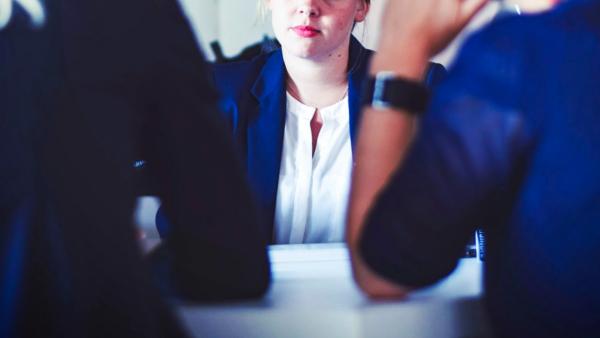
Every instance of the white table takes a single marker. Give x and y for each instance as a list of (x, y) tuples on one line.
[(313, 295)]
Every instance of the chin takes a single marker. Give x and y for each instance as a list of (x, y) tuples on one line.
[(303, 50), (305, 54)]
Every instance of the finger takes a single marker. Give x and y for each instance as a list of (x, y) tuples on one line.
[(469, 8)]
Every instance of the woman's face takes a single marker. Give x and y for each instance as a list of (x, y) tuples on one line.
[(315, 28)]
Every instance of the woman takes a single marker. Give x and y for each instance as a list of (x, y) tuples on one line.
[(294, 113)]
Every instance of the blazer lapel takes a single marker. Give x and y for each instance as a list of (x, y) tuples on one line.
[(357, 72), (265, 136)]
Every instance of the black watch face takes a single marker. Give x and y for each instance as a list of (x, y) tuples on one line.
[(392, 92)]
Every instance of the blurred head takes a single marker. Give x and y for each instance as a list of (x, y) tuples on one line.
[(315, 28)]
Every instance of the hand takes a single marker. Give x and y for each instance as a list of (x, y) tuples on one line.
[(424, 27)]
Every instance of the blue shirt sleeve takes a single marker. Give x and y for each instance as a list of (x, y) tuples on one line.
[(459, 173)]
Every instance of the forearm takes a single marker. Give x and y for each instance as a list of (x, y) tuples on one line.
[(384, 138), (412, 32)]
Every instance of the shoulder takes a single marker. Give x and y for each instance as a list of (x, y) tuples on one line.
[(240, 83), (518, 50), (359, 57), (232, 78), (237, 70), (541, 35), (579, 16)]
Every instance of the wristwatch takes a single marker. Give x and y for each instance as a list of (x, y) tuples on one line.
[(387, 90)]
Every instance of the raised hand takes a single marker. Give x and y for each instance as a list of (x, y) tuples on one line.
[(425, 25)]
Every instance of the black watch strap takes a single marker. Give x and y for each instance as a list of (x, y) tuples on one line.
[(389, 91)]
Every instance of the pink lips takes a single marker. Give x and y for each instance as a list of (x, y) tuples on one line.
[(306, 31)]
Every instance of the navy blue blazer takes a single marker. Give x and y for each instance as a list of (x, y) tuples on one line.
[(253, 101)]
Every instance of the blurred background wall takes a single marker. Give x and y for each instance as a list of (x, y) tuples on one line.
[(237, 23)]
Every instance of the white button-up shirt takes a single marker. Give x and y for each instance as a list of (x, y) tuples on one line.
[(313, 191)]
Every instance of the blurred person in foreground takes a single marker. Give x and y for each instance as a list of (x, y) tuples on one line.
[(510, 141), (78, 79)]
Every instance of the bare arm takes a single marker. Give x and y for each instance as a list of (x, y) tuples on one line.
[(408, 41)]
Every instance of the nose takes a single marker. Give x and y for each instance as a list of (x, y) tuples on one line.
[(308, 8)]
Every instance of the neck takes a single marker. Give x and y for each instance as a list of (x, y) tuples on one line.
[(318, 82)]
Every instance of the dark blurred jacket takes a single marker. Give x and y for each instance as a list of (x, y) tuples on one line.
[(100, 83), (511, 142)]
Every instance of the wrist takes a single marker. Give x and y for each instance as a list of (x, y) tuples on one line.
[(407, 62)]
